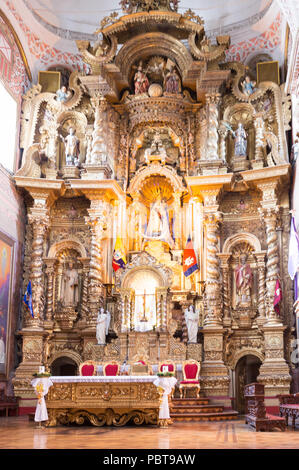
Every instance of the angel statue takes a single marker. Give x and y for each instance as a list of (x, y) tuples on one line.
[(191, 319), (248, 86), (62, 95), (103, 322)]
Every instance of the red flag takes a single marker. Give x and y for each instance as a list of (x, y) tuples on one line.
[(189, 259), (277, 297)]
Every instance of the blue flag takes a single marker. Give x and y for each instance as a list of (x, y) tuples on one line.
[(28, 299)]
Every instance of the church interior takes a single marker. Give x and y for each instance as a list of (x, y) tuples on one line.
[(148, 224)]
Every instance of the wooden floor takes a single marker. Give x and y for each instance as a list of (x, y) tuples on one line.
[(20, 433)]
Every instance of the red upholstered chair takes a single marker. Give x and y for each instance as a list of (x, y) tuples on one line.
[(111, 368), (171, 368), (169, 364), (87, 368), (191, 371)]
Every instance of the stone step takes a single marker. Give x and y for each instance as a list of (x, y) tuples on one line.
[(190, 401), (225, 415), (196, 409)]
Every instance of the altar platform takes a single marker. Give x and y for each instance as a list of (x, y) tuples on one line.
[(103, 400)]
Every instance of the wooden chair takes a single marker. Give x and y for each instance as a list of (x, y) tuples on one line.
[(191, 369), (140, 367), (169, 364), (88, 368), (171, 368), (111, 368)]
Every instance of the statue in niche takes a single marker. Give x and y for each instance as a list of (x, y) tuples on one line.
[(156, 148), (158, 224), (62, 95), (244, 280), (72, 145), (295, 152), (172, 82), (191, 319), (103, 322), (141, 81), (205, 45), (248, 86), (70, 286), (240, 141)]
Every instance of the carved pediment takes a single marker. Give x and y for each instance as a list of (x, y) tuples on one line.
[(144, 261)]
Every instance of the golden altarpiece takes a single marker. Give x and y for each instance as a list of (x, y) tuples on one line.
[(162, 140)]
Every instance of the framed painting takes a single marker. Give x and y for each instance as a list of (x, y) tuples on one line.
[(6, 276)]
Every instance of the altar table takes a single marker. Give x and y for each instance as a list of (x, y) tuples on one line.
[(103, 400)]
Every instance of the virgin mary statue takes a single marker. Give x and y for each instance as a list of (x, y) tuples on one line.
[(158, 223)]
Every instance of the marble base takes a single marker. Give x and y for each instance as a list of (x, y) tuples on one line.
[(210, 167), (96, 172), (240, 163), (70, 172)]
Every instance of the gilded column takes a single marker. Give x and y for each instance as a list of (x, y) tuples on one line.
[(262, 287), (259, 126), (50, 271), (40, 224), (213, 315), (223, 131), (99, 149), (84, 299), (213, 101), (97, 221), (177, 220), (226, 287)]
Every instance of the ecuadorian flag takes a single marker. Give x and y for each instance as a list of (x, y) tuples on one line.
[(119, 256), (189, 259)]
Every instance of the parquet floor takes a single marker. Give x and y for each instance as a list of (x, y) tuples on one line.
[(20, 433)]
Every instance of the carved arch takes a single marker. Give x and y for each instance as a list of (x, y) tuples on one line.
[(246, 352), (235, 239), (66, 353), (170, 174), (150, 44), (69, 244)]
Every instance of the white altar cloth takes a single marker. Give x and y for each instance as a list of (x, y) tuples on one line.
[(104, 378), (167, 383), (41, 386)]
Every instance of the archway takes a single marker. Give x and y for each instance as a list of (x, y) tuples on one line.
[(246, 372), (64, 366)]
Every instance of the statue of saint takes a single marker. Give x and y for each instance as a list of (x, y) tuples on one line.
[(158, 224), (70, 286), (103, 322), (141, 81), (172, 82), (156, 148), (191, 318), (244, 279), (72, 144), (240, 141), (248, 86), (62, 95)]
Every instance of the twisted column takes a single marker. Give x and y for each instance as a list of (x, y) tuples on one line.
[(97, 221), (99, 149), (40, 226), (50, 271), (270, 219), (262, 287), (213, 101), (84, 299), (213, 286), (226, 292), (223, 131), (177, 220), (259, 126)]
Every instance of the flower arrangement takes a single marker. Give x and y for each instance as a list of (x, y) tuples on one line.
[(38, 375), (165, 374)]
